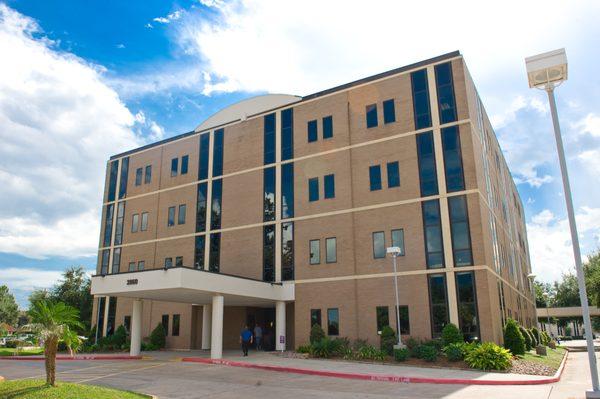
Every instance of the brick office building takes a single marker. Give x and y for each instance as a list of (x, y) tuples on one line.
[(278, 210)]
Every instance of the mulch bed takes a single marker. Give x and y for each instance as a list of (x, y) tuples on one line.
[(520, 366)]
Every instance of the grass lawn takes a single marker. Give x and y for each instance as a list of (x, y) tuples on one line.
[(22, 352), (37, 389), (555, 356)]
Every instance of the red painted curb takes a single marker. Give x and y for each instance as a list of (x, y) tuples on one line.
[(89, 357), (379, 377)]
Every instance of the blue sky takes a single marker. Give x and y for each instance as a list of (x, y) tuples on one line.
[(80, 81)]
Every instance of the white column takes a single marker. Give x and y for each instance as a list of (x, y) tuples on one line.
[(136, 328), (105, 321), (206, 326), (216, 342), (280, 325)]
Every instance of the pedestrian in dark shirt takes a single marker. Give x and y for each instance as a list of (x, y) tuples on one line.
[(245, 339)]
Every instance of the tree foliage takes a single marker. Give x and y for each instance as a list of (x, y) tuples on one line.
[(9, 310), (592, 278)]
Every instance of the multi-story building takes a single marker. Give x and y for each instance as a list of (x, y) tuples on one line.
[(278, 210)]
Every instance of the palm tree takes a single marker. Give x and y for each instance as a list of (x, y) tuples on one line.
[(71, 340), (50, 321)]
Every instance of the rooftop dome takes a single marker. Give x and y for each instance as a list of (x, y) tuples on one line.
[(245, 108)]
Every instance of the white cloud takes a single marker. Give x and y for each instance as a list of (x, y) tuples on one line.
[(28, 279), (589, 125), (174, 16), (59, 122), (120, 45)]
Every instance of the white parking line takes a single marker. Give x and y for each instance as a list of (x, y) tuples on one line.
[(123, 372)]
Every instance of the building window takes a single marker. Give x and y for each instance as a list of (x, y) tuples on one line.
[(148, 174), (127, 323), (459, 228), (171, 217), (333, 321), (389, 112), (179, 261), (375, 177), (174, 166), (203, 156), (427, 170), (315, 252), (116, 261), (269, 194), (112, 180), (269, 139), (393, 174), (144, 225), (287, 190), (434, 248), (201, 207), (371, 113), (218, 153), (168, 263), (438, 303), (165, 323), (184, 164), (331, 250), (383, 318), (135, 219), (445, 92), (467, 305), (141, 265), (312, 131), (398, 240), (138, 176), (108, 223), (420, 94), (452, 159), (120, 222), (404, 320), (181, 214), (328, 127), (313, 189), (287, 251), (199, 252), (287, 134), (269, 253), (105, 259), (176, 321), (215, 252), (315, 317), (123, 181), (329, 183), (100, 316), (379, 245), (216, 210), (131, 266)]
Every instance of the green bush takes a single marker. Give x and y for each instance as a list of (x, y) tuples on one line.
[(149, 347), (451, 335), (534, 341), (12, 343), (316, 333), (359, 343), (340, 346), (426, 351), (158, 337), (545, 338), (412, 343), (401, 355), (323, 348), (303, 349), (92, 334), (527, 338), (489, 356), (369, 352), (455, 352), (513, 339), (537, 336), (387, 340), (119, 338)]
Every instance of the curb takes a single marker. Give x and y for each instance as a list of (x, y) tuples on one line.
[(88, 357), (380, 377)]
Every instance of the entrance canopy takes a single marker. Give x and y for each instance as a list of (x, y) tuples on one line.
[(187, 285)]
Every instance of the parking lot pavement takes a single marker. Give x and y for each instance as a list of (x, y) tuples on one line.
[(172, 379)]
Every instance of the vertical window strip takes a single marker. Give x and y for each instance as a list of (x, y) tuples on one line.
[(123, 179), (269, 252), (203, 156), (287, 134), (174, 167), (184, 164), (201, 207), (460, 231), (329, 183), (420, 97), (269, 194), (427, 168), (287, 251), (434, 246), (218, 153), (120, 223), (216, 208), (445, 92), (215, 252), (452, 159), (269, 139), (199, 248), (138, 176), (467, 305), (112, 180), (287, 190), (438, 303), (108, 224), (104, 261)]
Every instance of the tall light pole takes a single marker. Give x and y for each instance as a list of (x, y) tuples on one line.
[(531, 278), (395, 252), (547, 71)]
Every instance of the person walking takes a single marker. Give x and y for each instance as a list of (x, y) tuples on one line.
[(245, 339), (258, 336)]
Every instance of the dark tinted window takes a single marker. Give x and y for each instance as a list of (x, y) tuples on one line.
[(438, 303), (120, 222), (328, 127), (168, 263), (179, 261), (427, 170), (329, 183), (108, 224), (383, 317), (313, 189), (404, 320), (371, 111), (174, 166), (420, 93), (459, 228), (393, 174), (165, 323), (138, 176), (112, 180), (181, 214), (287, 134), (201, 207), (184, 164), (203, 156), (333, 322), (445, 92), (269, 139), (287, 190), (269, 194), (148, 175), (312, 131), (215, 209), (215, 252), (199, 252), (123, 181), (315, 317), (452, 159), (175, 331), (287, 251), (218, 153), (171, 216), (269, 253), (389, 112), (467, 305), (104, 261), (375, 177), (379, 245), (434, 248)]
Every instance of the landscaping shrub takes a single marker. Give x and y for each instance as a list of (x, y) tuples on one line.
[(387, 340), (455, 351), (340, 346), (369, 352), (92, 334), (412, 343), (158, 337), (323, 348), (147, 346), (11, 343), (401, 355), (451, 335), (513, 339), (489, 356), (537, 336), (545, 338), (527, 338), (426, 351), (359, 343), (303, 349), (316, 333), (119, 338)]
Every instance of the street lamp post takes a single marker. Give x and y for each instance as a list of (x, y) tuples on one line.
[(531, 278), (395, 252), (547, 71)]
